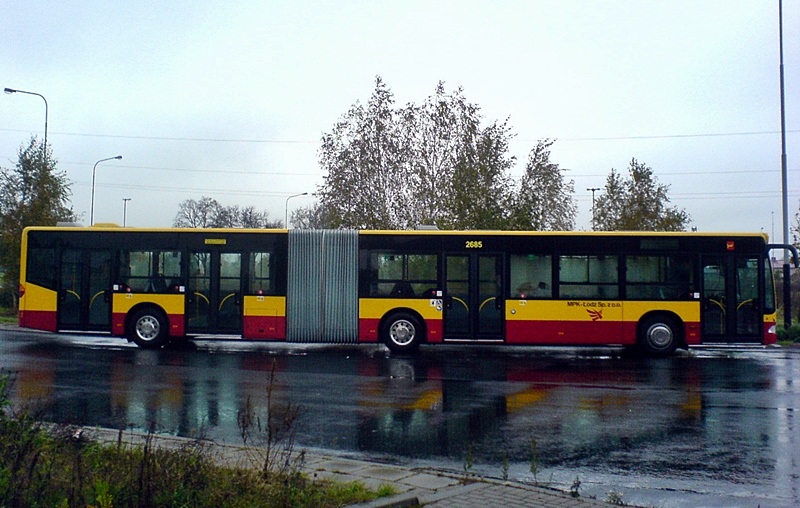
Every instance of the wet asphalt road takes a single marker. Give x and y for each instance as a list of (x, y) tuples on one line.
[(707, 428)]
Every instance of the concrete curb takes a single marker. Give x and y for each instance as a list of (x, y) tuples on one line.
[(398, 501)]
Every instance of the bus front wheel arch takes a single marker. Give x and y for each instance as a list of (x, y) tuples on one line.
[(659, 334), (147, 327), (402, 332)]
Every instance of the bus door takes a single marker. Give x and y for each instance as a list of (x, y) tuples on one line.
[(731, 308), (83, 290), (473, 307), (214, 292)]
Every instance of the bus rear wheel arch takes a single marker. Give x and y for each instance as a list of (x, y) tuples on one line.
[(659, 334), (402, 331), (147, 327)]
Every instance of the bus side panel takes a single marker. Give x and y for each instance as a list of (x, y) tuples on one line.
[(688, 312), (37, 308), (173, 305), (590, 322), (264, 317), (564, 322), (372, 310)]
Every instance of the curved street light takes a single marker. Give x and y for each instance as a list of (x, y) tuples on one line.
[(286, 214), (94, 172), (12, 90)]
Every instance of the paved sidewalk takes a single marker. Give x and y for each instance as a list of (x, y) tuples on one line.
[(429, 488), (415, 486)]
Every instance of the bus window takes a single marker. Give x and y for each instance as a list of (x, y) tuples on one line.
[(421, 272), (748, 317), (42, 267), (151, 271), (588, 277), (658, 277), (402, 275), (261, 281), (531, 276)]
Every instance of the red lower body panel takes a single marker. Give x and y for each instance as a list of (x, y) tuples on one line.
[(568, 332), (264, 327), (38, 320), (368, 330), (769, 338)]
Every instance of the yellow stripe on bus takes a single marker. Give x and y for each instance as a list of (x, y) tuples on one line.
[(172, 304), (37, 298), (260, 306), (376, 308)]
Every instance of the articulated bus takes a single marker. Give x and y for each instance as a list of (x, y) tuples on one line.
[(655, 291)]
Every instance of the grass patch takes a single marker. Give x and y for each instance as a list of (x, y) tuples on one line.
[(56, 466), (789, 335), (8, 316)]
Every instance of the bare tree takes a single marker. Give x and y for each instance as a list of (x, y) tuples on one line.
[(209, 213), (315, 216), (196, 213)]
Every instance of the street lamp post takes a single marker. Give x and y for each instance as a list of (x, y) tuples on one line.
[(125, 211), (787, 292), (94, 173), (286, 215), (593, 190), (12, 90)]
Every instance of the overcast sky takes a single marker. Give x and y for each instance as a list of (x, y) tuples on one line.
[(230, 99)]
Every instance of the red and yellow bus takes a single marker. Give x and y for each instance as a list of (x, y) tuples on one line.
[(657, 291)]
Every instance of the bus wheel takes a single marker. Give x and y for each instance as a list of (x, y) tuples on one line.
[(402, 333), (148, 328), (658, 336)]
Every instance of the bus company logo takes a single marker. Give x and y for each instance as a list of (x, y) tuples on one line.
[(595, 314)]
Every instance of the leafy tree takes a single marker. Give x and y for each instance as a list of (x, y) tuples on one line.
[(638, 203), (396, 168), (33, 193), (544, 200), (457, 166), (480, 185), (796, 230), (364, 156), (209, 213)]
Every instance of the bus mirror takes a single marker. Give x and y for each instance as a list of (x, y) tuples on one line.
[(792, 251)]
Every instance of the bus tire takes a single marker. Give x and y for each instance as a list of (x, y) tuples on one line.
[(402, 332), (148, 328), (659, 335)]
